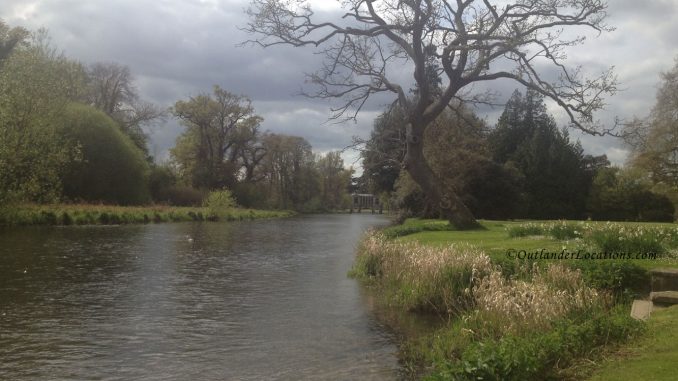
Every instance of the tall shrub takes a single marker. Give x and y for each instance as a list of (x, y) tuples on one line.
[(113, 169)]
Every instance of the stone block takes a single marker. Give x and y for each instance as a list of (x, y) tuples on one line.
[(664, 279), (664, 297)]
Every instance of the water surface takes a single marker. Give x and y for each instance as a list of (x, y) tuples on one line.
[(257, 300)]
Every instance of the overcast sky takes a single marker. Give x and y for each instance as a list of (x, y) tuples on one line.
[(179, 48)]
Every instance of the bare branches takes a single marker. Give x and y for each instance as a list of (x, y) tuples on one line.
[(354, 70), (462, 41)]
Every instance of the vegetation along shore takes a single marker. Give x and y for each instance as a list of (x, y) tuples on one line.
[(510, 319), (85, 214)]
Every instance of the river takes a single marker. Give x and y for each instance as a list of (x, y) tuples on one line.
[(259, 300)]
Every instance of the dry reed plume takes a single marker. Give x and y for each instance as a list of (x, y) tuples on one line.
[(458, 278), (519, 304)]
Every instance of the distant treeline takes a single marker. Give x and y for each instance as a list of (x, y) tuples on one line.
[(524, 167), (75, 133)]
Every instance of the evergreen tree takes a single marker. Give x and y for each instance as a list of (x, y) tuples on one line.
[(554, 168)]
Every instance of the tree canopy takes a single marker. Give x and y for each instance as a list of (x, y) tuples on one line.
[(654, 142), (36, 84), (555, 175), (448, 46), (219, 129), (113, 170)]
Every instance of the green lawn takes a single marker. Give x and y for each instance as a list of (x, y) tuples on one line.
[(495, 241), (652, 358)]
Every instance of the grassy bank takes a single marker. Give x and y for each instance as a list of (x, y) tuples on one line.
[(510, 318), (651, 358), (83, 214)]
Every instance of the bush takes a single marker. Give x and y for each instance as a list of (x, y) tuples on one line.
[(250, 195), (525, 230), (218, 203), (629, 239), (419, 277), (622, 278), (609, 237), (539, 355), (113, 169), (563, 230)]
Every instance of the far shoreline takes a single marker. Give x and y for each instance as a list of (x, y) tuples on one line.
[(100, 214)]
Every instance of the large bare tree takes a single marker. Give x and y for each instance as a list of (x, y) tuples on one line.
[(112, 90), (449, 45)]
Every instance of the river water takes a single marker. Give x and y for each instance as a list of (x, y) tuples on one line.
[(260, 300)]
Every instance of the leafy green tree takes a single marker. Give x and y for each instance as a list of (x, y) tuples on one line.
[(334, 181), (36, 84), (218, 127), (113, 169), (654, 140), (626, 195), (288, 171)]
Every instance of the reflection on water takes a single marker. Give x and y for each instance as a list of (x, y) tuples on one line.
[(246, 301)]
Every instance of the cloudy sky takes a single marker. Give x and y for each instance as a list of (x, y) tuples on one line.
[(179, 48)]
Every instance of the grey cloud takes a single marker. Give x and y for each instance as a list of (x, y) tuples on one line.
[(647, 10), (177, 49), (312, 123)]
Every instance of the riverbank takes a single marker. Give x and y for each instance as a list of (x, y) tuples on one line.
[(85, 214), (507, 315)]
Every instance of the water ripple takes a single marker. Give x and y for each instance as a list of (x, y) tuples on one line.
[(264, 300)]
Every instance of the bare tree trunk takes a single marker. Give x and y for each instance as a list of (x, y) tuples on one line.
[(441, 195)]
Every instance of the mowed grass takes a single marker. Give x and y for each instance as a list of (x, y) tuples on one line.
[(494, 240), (653, 357)]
